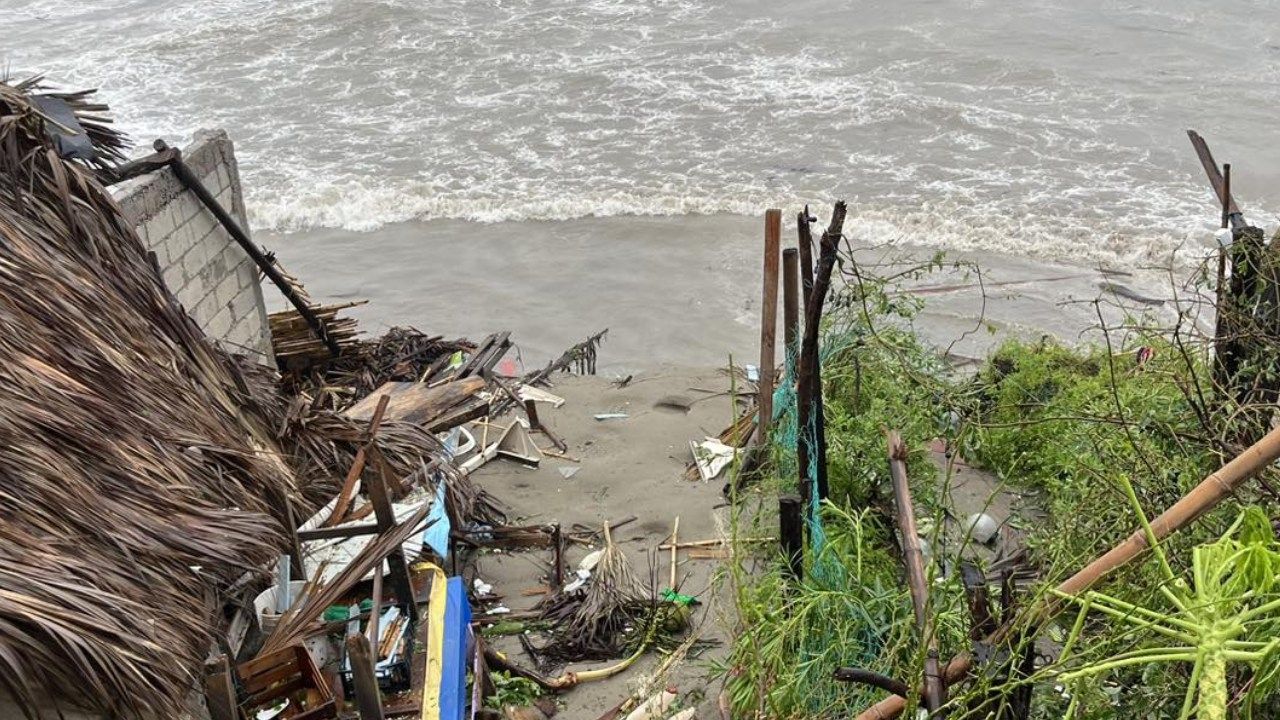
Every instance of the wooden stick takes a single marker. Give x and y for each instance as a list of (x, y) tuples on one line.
[(913, 558), (675, 551), (1201, 499), (558, 454), (713, 542), (869, 677), (768, 322), (805, 248), (398, 567), (1215, 179), (357, 466)]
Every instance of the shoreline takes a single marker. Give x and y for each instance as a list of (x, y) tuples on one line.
[(673, 290)]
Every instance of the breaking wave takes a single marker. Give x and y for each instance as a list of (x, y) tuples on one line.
[(1031, 133)]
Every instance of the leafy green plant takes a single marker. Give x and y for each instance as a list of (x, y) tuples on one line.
[(1227, 614), (512, 690)]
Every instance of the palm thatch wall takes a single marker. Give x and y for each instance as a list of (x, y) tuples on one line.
[(137, 473)]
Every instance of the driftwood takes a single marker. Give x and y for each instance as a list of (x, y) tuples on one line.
[(1215, 488), (913, 558)]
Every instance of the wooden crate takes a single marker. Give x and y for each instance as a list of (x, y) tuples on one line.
[(285, 673)]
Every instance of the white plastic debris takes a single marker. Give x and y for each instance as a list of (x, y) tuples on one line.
[(529, 392), (711, 457), (568, 471), (481, 587), (1225, 237), (753, 373), (611, 416), (654, 707), (580, 579), (982, 528), (500, 610)]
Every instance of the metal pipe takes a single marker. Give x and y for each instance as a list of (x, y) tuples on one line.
[(192, 183)]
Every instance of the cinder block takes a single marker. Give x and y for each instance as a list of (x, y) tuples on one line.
[(161, 225), (219, 326), (244, 306), (227, 289), (210, 307), (174, 279)]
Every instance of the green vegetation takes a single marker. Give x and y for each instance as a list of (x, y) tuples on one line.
[(1096, 433), (511, 690)]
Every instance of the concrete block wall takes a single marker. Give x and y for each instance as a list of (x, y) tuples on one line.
[(213, 278)]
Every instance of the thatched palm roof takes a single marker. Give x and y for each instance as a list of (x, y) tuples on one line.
[(136, 476)]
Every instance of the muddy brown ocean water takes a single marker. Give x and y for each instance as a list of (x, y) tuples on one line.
[(681, 290)]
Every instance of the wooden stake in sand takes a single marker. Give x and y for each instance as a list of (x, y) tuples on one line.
[(768, 321)]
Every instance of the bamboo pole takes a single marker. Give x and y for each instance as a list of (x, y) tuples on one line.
[(913, 558), (768, 322), (675, 552), (1203, 497)]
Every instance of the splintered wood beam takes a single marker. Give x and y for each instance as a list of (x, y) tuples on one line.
[(380, 498)]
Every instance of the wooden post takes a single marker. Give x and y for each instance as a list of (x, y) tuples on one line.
[(805, 246), (1220, 309), (791, 533), (790, 302), (768, 321), (219, 691), (535, 423), (375, 617), (913, 558), (557, 538), (368, 697)]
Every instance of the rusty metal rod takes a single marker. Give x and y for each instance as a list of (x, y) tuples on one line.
[(193, 183)]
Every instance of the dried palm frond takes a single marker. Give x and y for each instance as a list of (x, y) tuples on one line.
[(136, 478), (592, 624)]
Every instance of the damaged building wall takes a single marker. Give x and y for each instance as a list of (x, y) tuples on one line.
[(213, 278)]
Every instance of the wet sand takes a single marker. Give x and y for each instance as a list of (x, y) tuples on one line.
[(672, 290), (628, 466)]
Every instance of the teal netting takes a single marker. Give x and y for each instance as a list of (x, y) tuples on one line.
[(785, 435)]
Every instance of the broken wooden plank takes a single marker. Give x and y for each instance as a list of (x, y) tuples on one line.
[(415, 402)]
